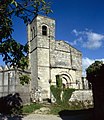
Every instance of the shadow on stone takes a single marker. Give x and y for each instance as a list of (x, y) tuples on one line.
[(76, 114), (11, 105)]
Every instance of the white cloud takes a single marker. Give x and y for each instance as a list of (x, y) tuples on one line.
[(75, 32), (88, 39), (86, 62), (74, 42)]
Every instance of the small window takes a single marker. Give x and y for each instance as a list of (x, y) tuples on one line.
[(44, 30), (31, 34), (34, 30)]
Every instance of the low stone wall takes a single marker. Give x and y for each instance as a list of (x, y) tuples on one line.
[(10, 84), (82, 95)]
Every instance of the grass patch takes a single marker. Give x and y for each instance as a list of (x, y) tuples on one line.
[(72, 106), (55, 108), (27, 109)]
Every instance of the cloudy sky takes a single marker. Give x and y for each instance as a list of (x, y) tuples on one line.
[(78, 22), (81, 23)]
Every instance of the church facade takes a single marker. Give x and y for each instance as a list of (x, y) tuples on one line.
[(49, 57)]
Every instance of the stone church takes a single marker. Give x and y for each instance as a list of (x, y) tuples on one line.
[(49, 57)]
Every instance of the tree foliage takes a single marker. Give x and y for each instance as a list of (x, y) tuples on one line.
[(56, 91), (61, 94), (94, 70), (67, 92), (95, 75), (24, 79), (58, 81), (13, 53)]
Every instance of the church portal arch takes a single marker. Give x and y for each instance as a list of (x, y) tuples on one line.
[(67, 79)]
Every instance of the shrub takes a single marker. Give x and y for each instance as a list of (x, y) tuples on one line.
[(58, 81), (67, 92), (62, 95), (66, 95), (11, 104), (56, 91)]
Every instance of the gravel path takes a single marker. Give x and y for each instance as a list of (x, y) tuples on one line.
[(41, 117), (46, 117), (70, 115), (54, 117)]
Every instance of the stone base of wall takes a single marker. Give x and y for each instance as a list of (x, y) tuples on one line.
[(82, 95), (25, 97)]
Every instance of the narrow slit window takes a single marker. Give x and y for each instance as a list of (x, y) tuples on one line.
[(34, 31), (31, 34), (44, 30)]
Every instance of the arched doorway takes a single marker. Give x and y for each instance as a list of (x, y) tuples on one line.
[(66, 79)]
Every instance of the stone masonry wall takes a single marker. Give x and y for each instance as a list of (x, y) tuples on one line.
[(65, 58), (82, 95), (10, 84), (64, 55)]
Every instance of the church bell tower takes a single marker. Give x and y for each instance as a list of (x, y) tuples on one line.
[(41, 33)]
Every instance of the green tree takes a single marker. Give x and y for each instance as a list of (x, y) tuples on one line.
[(95, 75), (93, 70), (13, 53)]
